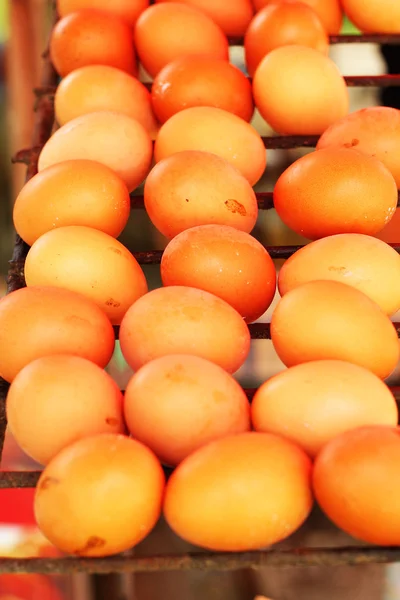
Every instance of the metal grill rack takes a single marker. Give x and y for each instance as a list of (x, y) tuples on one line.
[(128, 563)]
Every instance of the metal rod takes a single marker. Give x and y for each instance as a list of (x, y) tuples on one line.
[(365, 38)]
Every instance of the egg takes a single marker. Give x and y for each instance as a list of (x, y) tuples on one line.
[(112, 139), (128, 10), (192, 188), (356, 479), (102, 88), (243, 492), (184, 320), (56, 400), (335, 191), (74, 192), (361, 261), (91, 37), (175, 404), (283, 24), (41, 321), (90, 262), (232, 17), (374, 131), (374, 16), (299, 91), (330, 12), (167, 31), (232, 265), (330, 320), (87, 481), (201, 81), (314, 402), (214, 130)]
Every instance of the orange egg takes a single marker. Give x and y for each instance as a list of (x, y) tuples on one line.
[(335, 191), (184, 320), (178, 403), (283, 24), (109, 486), (232, 265), (329, 12), (299, 91), (356, 482), (330, 320), (100, 87), (240, 493), (56, 400), (115, 140), (312, 403), (201, 81), (197, 188), (39, 321), (129, 10), (217, 131), (374, 16), (90, 37), (90, 262), (167, 31), (361, 261), (374, 131), (233, 17), (74, 192)]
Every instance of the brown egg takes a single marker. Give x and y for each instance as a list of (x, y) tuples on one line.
[(57, 400), (330, 320), (201, 81), (232, 265), (197, 188), (91, 37), (115, 140), (74, 192), (361, 261), (40, 321), (240, 493), (374, 16), (184, 320), (329, 12), (100, 87), (128, 10), (165, 32), (90, 262), (175, 404), (210, 129), (111, 489), (299, 91), (312, 403), (374, 131), (282, 24), (335, 191)]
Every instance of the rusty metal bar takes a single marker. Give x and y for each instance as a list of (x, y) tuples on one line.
[(365, 38)]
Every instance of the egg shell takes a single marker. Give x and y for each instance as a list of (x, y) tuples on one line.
[(214, 130), (232, 265), (360, 261), (128, 10), (335, 191), (330, 320), (198, 188), (164, 32), (79, 490), (201, 81), (330, 12), (57, 400), (374, 16), (299, 91), (74, 192), (40, 321), (113, 139), (175, 404), (240, 493), (314, 402), (91, 37), (90, 262), (356, 482), (184, 320)]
